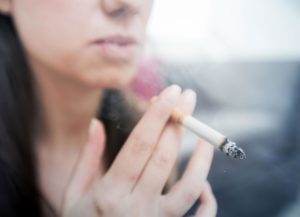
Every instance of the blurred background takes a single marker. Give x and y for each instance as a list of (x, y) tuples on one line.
[(242, 57)]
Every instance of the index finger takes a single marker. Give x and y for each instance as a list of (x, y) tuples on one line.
[(139, 146)]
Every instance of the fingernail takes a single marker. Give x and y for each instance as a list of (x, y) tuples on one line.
[(172, 92), (93, 126), (189, 96)]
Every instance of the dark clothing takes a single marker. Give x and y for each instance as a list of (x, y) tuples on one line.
[(7, 202)]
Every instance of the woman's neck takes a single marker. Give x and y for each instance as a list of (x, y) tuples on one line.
[(66, 110)]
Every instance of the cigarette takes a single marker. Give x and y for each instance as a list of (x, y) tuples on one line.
[(218, 140)]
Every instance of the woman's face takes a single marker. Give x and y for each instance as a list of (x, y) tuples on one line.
[(91, 42)]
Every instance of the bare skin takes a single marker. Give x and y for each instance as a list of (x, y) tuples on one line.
[(151, 150), (71, 72)]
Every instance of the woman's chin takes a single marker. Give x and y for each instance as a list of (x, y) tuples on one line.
[(112, 78)]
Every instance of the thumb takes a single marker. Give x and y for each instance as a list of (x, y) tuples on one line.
[(88, 164)]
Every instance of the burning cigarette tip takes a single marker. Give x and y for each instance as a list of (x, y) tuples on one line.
[(232, 150)]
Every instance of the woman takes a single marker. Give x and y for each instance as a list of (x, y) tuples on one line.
[(63, 63)]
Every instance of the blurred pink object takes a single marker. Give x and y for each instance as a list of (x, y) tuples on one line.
[(149, 79)]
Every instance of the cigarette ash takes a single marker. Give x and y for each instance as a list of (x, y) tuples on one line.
[(232, 150)]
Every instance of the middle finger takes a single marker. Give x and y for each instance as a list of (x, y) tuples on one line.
[(163, 158), (131, 160)]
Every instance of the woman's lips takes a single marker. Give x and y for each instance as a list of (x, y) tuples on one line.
[(118, 48)]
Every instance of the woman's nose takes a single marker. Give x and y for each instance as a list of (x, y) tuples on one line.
[(122, 8)]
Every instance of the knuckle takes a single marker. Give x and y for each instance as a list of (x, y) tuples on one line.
[(190, 197), (140, 145), (106, 203), (170, 212), (168, 208), (162, 159), (133, 178)]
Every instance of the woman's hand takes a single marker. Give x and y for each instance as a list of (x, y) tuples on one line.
[(133, 184)]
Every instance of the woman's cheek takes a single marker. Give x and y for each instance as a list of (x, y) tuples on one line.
[(57, 37)]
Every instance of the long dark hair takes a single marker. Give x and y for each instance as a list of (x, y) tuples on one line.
[(19, 109)]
